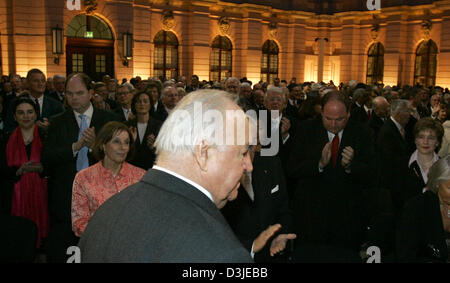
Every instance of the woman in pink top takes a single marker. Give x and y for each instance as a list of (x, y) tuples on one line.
[(94, 185)]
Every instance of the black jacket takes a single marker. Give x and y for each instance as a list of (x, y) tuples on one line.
[(420, 233), (249, 218)]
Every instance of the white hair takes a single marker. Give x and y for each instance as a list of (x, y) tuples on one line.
[(191, 121), (127, 85), (398, 105), (273, 89), (244, 84), (55, 77), (164, 91), (438, 174)]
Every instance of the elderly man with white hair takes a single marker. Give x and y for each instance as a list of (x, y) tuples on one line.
[(172, 214), (169, 99), (233, 85)]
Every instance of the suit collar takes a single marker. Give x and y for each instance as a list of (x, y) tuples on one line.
[(174, 185)]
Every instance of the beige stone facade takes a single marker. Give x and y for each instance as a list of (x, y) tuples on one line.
[(26, 36)]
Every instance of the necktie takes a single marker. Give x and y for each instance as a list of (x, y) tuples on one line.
[(82, 158), (38, 106), (334, 149), (369, 114), (402, 132), (127, 112)]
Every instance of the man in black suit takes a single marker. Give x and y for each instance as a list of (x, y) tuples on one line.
[(59, 82), (16, 89), (48, 107), (124, 96), (261, 204), (172, 214), (278, 129), (67, 151), (296, 98), (333, 159), (394, 153), (363, 113), (381, 111), (169, 99)]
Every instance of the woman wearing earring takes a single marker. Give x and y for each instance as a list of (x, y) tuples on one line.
[(112, 174), (428, 135)]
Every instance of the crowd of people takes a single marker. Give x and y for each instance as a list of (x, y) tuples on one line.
[(355, 166)]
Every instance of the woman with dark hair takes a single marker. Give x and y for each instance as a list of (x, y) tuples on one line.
[(145, 129), (310, 108), (23, 156), (94, 185)]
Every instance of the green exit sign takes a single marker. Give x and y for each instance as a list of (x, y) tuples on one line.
[(89, 34)]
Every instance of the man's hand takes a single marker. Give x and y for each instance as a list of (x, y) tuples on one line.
[(265, 235), (133, 131), (279, 243), (285, 126), (89, 137), (43, 124), (326, 156), (347, 156), (150, 140)]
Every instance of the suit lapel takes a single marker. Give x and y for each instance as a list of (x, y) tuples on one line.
[(72, 125)]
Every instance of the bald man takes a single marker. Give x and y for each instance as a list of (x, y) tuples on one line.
[(381, 110)]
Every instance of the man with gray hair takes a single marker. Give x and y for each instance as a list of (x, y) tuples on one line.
[(394, 152), (169, 99), (381, 112), (172, 214), (233, 85), (124, 95), (59, 83)]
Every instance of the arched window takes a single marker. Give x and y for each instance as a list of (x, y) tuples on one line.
[(425, 69), (84, 26), (269, 61), (221, 58), (166, 55), (375, 64)]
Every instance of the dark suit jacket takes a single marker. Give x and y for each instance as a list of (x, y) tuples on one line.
[(249, 218), (55, 96), (50, 107), (423, 111), (160, 114), (58, 158), (143, 156), (393, 157), (119, 112), (327, 205), (375, 123), (420, 233), (359, 114), (160, 219)]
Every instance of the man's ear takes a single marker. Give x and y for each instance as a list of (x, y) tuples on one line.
[(201, 154)]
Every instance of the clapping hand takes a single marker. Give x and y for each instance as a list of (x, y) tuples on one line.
[(279, 243)]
